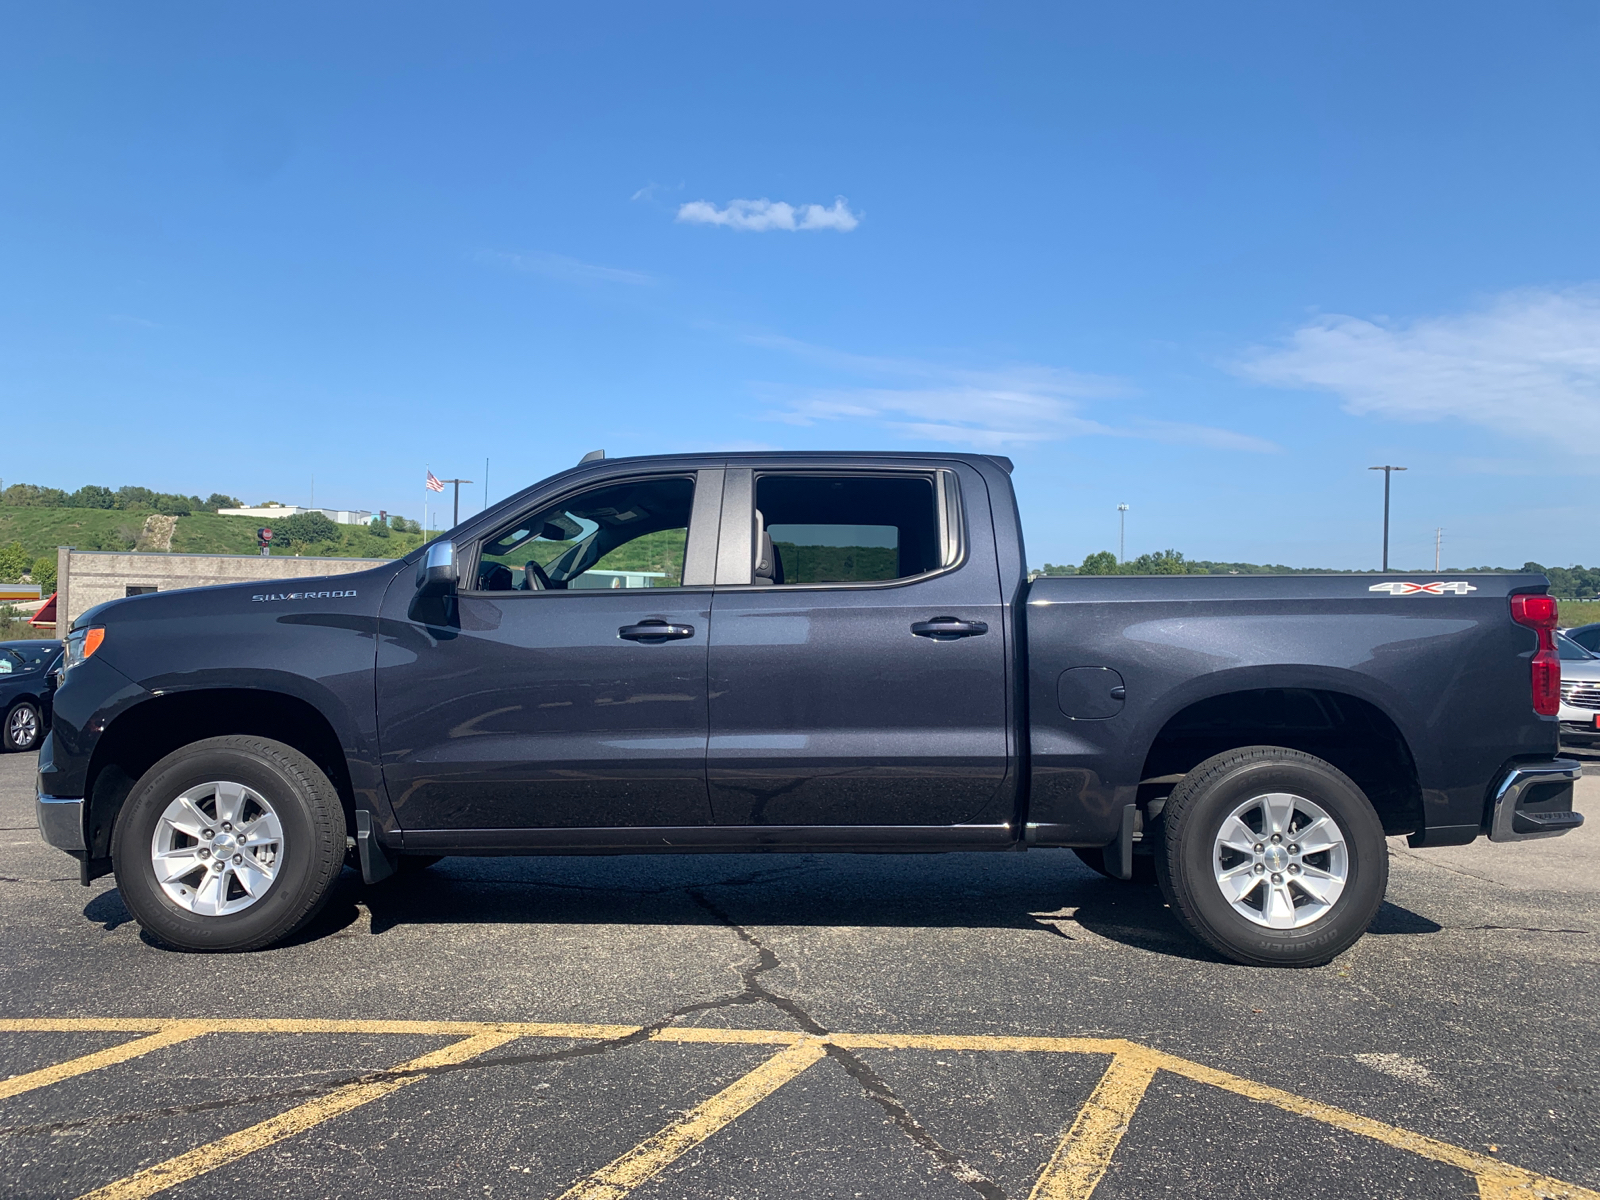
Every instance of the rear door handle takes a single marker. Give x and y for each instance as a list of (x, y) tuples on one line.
[(655, 631), (948, 627)]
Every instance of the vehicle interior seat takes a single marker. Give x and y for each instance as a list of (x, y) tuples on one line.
[(769, 567)]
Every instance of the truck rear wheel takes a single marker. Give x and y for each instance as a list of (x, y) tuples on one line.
[(1272, 857), (231, 843)]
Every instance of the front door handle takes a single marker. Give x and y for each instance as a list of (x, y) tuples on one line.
[(655, 631), (948, 627)]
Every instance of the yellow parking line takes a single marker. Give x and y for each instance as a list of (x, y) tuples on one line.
[(1083, 1156), (180, 1031), (1496, 1180), (235, 1146), (923, 1041), (655, 1153)]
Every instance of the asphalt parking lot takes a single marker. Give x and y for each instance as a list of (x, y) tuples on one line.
[(854, 1026)]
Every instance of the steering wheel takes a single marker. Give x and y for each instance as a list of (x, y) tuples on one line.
[(535, 578)]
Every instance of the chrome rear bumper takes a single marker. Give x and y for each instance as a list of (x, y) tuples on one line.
[(1534, 800)]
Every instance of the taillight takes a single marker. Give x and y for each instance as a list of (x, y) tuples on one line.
[(1538, 613)]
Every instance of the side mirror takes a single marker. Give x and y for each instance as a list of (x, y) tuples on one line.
[(436, 573)]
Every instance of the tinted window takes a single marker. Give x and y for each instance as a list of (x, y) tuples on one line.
[(627, 535), (850, 529), (25, 657), (1569, 649)]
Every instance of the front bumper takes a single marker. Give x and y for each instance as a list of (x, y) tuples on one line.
[(61, 822), (1534, 800)]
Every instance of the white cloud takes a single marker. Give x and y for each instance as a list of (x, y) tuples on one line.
[(559, 266), (1526, 363), (758, 216), (988, 409)]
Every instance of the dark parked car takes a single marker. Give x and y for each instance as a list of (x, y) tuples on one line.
[(27, 687), (1587, 636), (802, 653)]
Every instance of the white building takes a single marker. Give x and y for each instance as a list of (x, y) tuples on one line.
[(340, 516)]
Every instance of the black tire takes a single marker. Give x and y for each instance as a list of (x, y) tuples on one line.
[(313, 843), (27, 738), (1193, 817), (1144, 866)]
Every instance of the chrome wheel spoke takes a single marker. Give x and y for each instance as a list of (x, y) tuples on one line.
[(230, 802), (253, 877), (1238, 882), (1322, 834), (1237, 836), (1278, 906), (1277, 811), (176, 864), (1319, 885)]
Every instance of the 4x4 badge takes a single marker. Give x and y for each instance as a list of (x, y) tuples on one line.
[(1456, 587)]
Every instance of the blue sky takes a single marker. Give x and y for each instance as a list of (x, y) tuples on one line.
[(1212, 261)]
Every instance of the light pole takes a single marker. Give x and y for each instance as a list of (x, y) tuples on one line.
[(1387, 471), (1122, 534), (455, 518)]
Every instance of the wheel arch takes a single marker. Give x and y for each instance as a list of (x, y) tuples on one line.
[(1349, 731), (144, 734)]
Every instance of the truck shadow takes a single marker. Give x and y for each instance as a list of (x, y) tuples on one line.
[(1043, 893)]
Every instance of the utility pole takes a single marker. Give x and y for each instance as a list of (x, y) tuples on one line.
[(1438, 541), (1122, 534), (456, 519), (1386, 473)]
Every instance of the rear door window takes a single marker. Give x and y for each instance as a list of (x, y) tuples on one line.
[(847, 529)]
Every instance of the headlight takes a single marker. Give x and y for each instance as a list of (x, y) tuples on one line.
[(81, 645)]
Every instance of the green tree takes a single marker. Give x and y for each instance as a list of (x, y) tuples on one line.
[(44, 573), (1058, 569), (217, 500), (1102, 562), (13, 562), (31, 495), (1162, 562), (92, 495), (378, 528)]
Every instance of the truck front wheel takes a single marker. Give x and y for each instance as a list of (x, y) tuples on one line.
[(1272, 857), (231, 843)]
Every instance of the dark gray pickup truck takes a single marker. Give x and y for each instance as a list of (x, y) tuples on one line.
[(804, 653)]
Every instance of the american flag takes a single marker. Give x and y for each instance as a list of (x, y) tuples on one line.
[(433, 483)]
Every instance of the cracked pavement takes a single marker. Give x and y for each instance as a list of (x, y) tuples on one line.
[(1468, 1014)]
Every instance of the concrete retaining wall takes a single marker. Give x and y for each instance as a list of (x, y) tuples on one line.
[(89, 577)]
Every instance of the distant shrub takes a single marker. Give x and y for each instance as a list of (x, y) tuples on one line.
[(303, 529), (378, 528)]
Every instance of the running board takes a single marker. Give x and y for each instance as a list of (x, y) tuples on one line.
[(712, 839)]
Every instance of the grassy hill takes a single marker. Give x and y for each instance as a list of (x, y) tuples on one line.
[(41, 530)]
